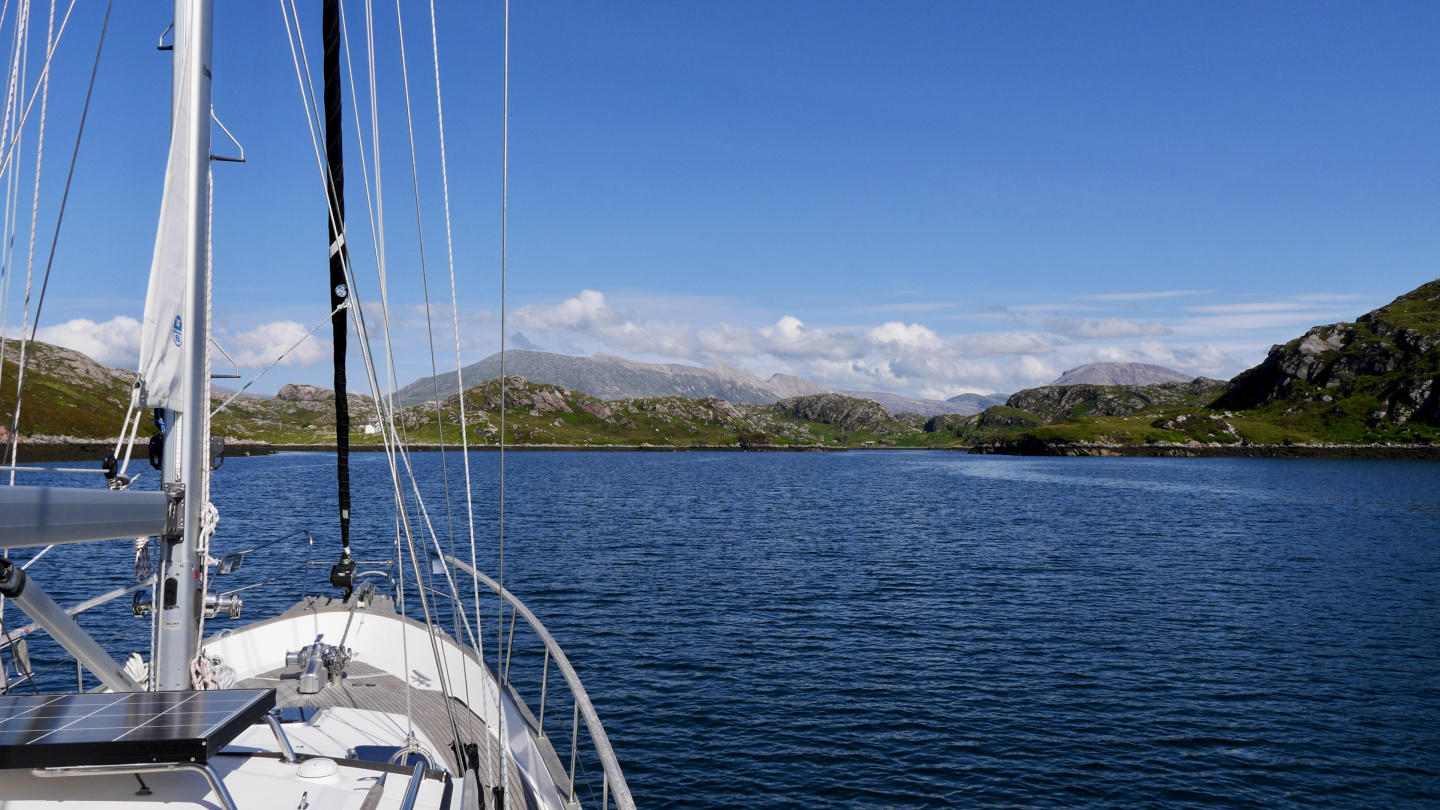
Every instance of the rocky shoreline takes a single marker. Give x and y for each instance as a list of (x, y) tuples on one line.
[(1213, 450), (73, 449)]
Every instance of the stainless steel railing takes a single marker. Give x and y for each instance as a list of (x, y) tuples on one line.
[(614, 780)]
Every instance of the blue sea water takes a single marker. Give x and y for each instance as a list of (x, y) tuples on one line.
[(927, 629)]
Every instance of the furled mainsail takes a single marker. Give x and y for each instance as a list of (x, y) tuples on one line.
[(162, 355)]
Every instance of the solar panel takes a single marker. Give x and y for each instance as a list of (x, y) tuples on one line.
[(43, 731)]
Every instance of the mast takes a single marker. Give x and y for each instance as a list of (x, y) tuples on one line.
[(187, 461), (343, 574)]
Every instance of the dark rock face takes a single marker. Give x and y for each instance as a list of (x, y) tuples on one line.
[(1392, 354), (1005, 416), (914, 420), (959, 424), (1056, 403), (845, 413)]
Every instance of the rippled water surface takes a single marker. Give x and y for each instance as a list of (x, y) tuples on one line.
[(925, 629)]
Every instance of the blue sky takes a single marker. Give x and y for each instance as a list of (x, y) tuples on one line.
[(928, 198)]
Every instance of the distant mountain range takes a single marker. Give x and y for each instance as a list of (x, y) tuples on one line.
[(1121, 374), (609, 377)]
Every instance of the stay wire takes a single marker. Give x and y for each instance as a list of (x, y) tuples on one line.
[(15, 78), (425, 282), (59, 220), (504, 247), (479, 633)]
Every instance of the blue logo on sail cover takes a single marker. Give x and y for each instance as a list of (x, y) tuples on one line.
[(176, 330)]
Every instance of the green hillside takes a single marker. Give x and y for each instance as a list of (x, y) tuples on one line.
[(1374, 381)]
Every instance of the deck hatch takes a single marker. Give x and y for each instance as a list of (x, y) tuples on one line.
[(47, 731)]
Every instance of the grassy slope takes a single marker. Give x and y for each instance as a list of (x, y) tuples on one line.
[(65, 394)]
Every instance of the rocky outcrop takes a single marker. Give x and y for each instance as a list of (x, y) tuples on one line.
[(1389, 358), (1003, 416), (710, 410), (314, 397), (1056, 403), (299, 392), (842, 412), (957, 423)]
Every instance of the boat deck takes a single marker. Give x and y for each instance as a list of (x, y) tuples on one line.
[(368, 688)]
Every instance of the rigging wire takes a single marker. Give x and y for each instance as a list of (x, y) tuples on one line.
[(455, 317), (394, 440), (504, 235), (343, 305), (59, 220), (459, 615), (478, 635), (425, 278), (14, 79), (394, 437), (45, 71), (35, 211)]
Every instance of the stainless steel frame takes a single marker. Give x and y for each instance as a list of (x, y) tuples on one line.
[(614, 780)]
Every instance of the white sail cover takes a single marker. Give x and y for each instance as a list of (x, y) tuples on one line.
[(163, 335)]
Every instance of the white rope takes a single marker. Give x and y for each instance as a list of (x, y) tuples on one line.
[(504, 246), (15, 77), (52, 42), (343, 305), (30, 261), (478, 635), (429, 325), (45, 73)]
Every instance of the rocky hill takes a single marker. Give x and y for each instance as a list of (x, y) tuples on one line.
[(609, 377), (539, 413), (1383, 370), (1057, 403), (975, 403), (847, 414), (1373, 383), (1121, 374), (66, 393)]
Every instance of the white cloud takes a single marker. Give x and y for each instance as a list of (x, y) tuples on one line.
[(586, 310), (901, 356), (115, 342), (258, 347), (1105, 328)]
